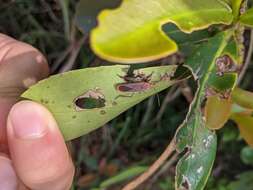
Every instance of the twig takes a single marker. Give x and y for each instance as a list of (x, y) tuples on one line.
[(153, 168), (167, 165), (248, 59)]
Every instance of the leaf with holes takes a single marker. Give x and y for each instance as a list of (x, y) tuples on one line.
[(84, 100), (194, 168), (132, 33)]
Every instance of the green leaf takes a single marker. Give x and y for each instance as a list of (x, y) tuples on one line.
[(132, 33), (95, 89), (194, 168), (232, 50), (125, 175), (223, 83), (247, 18)]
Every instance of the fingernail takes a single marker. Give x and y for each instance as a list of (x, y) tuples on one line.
[(28, 120), (8, 179)]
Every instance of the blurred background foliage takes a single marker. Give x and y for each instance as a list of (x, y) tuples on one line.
[(122, 149)]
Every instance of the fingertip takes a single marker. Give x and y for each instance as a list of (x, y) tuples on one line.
[(37, 147)]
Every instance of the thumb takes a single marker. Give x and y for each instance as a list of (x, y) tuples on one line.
[(38, 151)]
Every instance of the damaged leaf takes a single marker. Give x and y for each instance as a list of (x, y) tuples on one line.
[(84, 100), (193, 136)]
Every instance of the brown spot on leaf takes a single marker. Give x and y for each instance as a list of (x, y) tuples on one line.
[(102, 112), (225, 64)]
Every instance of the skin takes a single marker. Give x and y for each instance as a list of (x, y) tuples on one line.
[(33, 154)]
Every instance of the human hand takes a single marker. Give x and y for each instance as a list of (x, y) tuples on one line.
[(33, 154)]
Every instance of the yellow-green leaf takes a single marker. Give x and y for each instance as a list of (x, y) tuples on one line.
[(132, 33), (217, 112)]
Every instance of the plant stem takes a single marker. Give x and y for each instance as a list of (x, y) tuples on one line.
[(153, 168), (248, 59)]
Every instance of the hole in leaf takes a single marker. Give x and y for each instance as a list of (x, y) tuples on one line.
[(89, 103), (90, 100), (185, 184)]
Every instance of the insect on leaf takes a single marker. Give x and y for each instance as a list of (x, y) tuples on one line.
[(84, 100)]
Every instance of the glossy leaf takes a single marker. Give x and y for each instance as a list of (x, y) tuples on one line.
[(132, 33), (247, 18), (194, 168), (97, 87), (245, 124)]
